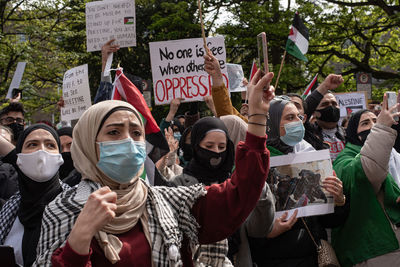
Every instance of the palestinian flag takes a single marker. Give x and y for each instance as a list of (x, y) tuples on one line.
[(253, 70), (129, 20), (311, 87), (125, 90), (297, 43)]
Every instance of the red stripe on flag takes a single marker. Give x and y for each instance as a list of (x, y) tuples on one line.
[(136, 99), (253, 70), (310, 86)]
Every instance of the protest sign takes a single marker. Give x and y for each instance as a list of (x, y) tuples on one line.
[(106, 20), (178, 68), (17, 78), (76, 93), (351, 102), (295, 180), (235, 76)]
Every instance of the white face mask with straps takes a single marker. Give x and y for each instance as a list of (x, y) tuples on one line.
[(40, 166)]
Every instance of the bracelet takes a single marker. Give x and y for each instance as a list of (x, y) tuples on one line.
[(340, 204), (258, 114), (255, 123)]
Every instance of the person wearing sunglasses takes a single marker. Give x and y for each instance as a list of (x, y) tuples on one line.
[(12, 116)]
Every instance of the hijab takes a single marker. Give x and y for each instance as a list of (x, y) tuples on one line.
[(195, 167), (237, 128), (131, 198), (352, 126), (34, 198), (277, 105), (68, 165)]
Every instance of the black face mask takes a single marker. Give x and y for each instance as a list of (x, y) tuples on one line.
[(67, 166), (363, 135), (210, 159), (17, 129), (329, 114), (187, 152)]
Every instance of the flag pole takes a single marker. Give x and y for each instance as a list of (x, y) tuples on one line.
[(280, 69), (203, 34)]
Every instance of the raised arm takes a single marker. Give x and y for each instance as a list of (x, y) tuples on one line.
[(375, 153), (331, 82), (227, 205), (222, 101)]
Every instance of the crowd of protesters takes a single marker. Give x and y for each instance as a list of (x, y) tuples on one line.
[(99, 195)]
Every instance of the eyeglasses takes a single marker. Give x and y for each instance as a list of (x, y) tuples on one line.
[(9, 120)]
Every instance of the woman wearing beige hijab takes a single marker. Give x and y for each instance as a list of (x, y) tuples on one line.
[(112, 218)]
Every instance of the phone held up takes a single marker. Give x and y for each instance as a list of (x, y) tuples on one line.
[(262, 48), (392, 100)]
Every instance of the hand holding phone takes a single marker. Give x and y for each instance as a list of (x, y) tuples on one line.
[(262, 48)]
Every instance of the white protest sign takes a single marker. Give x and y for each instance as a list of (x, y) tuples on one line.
[(17, 78), (76, 93), (178, 68), (351, 102), (235, 76), (106, 20)]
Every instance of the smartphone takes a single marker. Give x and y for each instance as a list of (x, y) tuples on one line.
[(262, 49), (392, 100), (7, 256)]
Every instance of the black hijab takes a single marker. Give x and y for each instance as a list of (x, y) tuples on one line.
[(195, 167), (277, 105), (34, 198), (68, 165), (352, 126)]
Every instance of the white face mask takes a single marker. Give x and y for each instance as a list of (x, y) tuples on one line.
[(40, 166)]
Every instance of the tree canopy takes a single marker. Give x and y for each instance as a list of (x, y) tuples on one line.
[(346, 37)]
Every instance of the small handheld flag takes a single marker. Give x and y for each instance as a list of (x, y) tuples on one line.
[(310, 87)]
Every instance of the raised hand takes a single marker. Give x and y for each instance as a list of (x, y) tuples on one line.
[(97, 212), (172, 142), (331, 82), (173, 108), (386, 117), (106, 50), (212, 67)]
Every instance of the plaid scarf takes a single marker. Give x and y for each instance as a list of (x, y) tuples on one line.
[(169, 212), (9, 212), (212, 255)]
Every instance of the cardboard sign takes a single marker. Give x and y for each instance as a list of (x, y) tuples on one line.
[(17, 78), (106, 20), (178, 69), (76, 93), (351, 102), (236, 76)]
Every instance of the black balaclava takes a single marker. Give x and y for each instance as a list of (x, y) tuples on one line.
[(277, 105), (207, 166), (17, 129), (68, 164), (351, 130), (34, 198)]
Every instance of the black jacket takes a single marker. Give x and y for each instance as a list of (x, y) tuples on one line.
[(8, 182)]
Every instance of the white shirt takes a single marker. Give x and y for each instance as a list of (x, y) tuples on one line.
[(14, 239)]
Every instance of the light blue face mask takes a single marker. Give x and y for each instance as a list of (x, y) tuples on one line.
[(294, 133), (121, 160), (177, 135)]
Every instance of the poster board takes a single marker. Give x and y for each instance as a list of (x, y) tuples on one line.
[(106, 20), (295, 180), (17, 78), (76, 93), (351, 102), (235, 76), (178, 69)]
